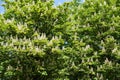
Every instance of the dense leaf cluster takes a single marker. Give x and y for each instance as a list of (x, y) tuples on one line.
[(72, 41)]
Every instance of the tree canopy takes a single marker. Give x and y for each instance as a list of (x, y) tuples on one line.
[(72, 41)]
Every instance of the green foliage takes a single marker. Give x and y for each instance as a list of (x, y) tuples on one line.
[(72, 41)]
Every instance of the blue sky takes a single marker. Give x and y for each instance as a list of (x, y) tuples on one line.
[(1, 8), (57, 2)]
